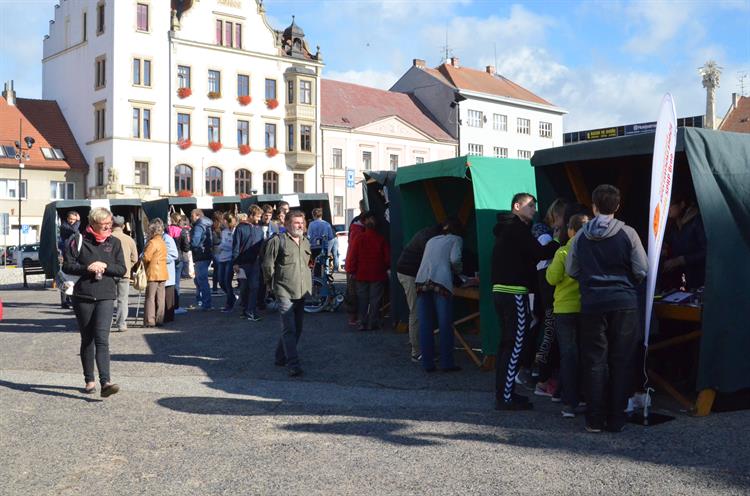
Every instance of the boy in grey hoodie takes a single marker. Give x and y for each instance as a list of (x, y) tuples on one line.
[(608, 260)]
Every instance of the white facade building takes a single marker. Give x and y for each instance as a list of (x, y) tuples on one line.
[(153, 96), (496, 117), (367, 129)]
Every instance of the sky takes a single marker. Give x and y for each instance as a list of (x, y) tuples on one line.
[(607, 63)]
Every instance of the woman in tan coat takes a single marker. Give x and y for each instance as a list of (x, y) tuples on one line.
[(155, 261)]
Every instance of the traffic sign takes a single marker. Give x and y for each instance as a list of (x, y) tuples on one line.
[(349, 178), (24, 229)]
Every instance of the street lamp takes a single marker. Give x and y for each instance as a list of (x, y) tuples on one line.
[(21, 155)]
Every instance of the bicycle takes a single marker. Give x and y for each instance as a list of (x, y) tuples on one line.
[(324, 294)]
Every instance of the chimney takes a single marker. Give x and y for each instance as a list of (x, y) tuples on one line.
[(490, 70), (418, 63), (454, 62), (734, 100), (9, 93)]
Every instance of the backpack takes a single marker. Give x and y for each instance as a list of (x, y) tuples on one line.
[(184, 240), (66, 282)]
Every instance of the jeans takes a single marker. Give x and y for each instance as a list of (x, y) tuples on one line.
[(513, 313), (123, 290), (94, 319), (249, 288), (369, 295), (226, 276), (291, 313), (178, 266), (429, 304), (410, 290), (567, 327), (202, 288), (609, 342), (215, 273)]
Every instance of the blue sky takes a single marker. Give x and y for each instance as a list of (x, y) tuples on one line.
[(607, 63)]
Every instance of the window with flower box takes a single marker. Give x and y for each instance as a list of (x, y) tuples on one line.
[(183, 127), (183, 76), (270, 136), (243, 85), (243, 133), (214, 84), (270, 89), (214, 130)]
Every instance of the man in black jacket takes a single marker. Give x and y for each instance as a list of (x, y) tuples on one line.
[(514, 259), (246, 243)]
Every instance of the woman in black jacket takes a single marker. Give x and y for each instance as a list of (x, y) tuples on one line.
[(97, 261)]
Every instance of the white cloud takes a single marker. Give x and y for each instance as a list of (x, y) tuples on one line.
[(659, 23), (368, 77)]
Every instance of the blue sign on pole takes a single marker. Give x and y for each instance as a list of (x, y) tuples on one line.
[(25, 229), (349, 178)]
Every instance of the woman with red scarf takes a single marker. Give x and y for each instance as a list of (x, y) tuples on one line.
[(97, 261)]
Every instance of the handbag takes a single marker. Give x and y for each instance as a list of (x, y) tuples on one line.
[(139, 279), (66, 282)]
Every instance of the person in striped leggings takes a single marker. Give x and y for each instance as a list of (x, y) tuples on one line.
[(514, 259)]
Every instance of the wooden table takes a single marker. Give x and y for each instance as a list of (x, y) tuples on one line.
[(470, 293), (683, 313)]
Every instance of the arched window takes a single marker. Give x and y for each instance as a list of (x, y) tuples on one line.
[(214, 181), (270, 183), (242, 183), (183, 178)]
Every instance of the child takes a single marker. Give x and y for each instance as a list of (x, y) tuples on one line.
[(567, 308)]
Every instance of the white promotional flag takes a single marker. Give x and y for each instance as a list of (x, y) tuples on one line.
[(662, 170)]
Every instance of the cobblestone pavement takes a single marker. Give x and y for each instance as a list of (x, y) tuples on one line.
[(203, 410)]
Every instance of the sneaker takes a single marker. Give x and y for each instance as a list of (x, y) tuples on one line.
[(557, 396), (594, 429), (416, 358), (179, 311), (568, 412), (226, 310), (513, 405), (253, 317), (541, 390)]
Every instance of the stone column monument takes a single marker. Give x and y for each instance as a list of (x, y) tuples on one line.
[(710, 73)]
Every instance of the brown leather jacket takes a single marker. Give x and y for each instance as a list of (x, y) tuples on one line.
[(155, 259)]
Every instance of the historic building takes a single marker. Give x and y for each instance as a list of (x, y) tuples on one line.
[(737, 118), (369, 129), (496, 117), (53, 167), (204, 98)]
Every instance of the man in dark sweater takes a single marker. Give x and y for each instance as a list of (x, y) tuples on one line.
[(246, 243), (514, 259), (608, 260)]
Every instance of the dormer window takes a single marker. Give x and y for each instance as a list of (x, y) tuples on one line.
[(228, 34)]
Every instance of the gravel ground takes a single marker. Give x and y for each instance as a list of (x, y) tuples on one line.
[(203, 411)]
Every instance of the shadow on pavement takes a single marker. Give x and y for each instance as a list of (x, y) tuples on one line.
[(37, 325), (49, 390)]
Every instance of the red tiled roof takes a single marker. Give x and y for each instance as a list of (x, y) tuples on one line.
[(351, 106), (738, 119), (43, 121), (465, 78)]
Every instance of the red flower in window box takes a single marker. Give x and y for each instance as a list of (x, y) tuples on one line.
[(213, 95), (216, 193), (214, 146), (185, 193), (245, 149), (272, 152), (184, 144), (272, 103), (244, 195), (244, 99), (184, 92)]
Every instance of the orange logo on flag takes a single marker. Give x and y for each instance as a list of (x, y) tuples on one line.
[(656, 221)]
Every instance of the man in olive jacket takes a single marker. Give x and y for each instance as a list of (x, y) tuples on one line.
[(286, 267)]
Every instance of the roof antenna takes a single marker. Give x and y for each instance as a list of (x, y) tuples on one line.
[(741, 76), (495, 44), (446, 49)]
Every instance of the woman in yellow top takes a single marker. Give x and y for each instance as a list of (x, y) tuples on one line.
[(567, 308), (155, 261)]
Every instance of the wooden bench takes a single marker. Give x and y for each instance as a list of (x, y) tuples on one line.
[(32, 268)]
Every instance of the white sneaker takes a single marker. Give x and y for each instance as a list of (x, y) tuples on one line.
[(179, 311)]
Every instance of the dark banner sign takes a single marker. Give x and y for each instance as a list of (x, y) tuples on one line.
[(628, 130)]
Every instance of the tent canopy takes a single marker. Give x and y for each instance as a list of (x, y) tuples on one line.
[(56, 212), (475, 190), (717, 165)]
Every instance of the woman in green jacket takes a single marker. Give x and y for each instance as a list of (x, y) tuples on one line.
[(567, 308)]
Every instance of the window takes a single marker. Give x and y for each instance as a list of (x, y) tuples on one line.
[(213, 181), (500, 152), (219, 32), (214, 129), (59, 154), (243, 85), (142, 16), (270, 136), (137, 71), (523, 126), (146, 123), (183, 178), (290, 137), (366, 160), (475, 118), (47, 152), (183, 76), (299, 183), (100, 72), (419, 160), (290, 91), (61, 190), (99, 122), (270, 89), (475, 149), (228, 33), (243, 133), (100, 18), (338, 206), (242, 182), (8, 151), (305, 138), (305, 92), (140, 173), (238, 35), (336, 159), (545, 129), (141, 68), (499, 122), (141, 123), (183, 127), (214, 82), (9, 189), (136, 123), (100, 172), (85, 19), (526, 154), (270, 183), (393, 161), (146, 73)]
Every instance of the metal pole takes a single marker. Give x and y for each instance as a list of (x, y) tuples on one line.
[(20, 169)]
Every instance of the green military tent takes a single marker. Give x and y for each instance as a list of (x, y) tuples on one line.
[(474, 189), (717, 164)]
